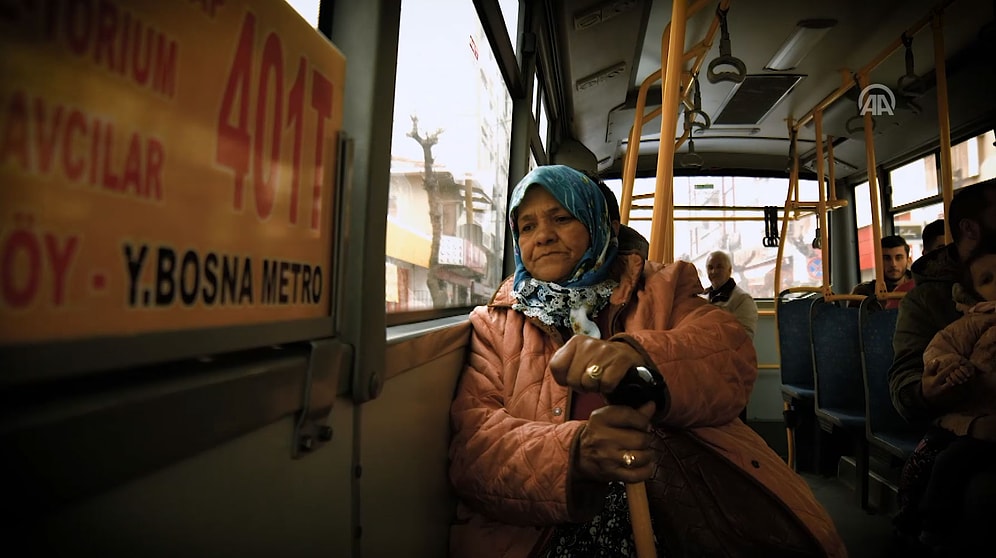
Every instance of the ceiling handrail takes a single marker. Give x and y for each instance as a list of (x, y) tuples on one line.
[(867, 68), (698, 52)]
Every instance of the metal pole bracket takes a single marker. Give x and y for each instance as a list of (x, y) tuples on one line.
[(329, 357)]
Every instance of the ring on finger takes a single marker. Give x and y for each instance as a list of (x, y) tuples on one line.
[(628, 459), (594, 372)]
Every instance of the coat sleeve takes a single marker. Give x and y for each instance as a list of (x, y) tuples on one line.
[(916, 325), (705, 356), (511, 469), (957, 343), (950, 346)]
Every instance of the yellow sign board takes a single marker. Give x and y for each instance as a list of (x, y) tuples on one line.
[(163, 166)]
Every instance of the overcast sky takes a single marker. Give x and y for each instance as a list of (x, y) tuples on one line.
[(308, 10)]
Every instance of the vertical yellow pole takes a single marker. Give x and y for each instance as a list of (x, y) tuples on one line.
[(640, 119), (793, 180), (943, 120), (876, 205), (821, 210), (660, 237), (832, 164), (633, 148)]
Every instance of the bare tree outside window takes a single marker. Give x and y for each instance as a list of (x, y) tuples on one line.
[(437, 290)]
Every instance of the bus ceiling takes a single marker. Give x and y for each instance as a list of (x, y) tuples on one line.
[(794, 55)]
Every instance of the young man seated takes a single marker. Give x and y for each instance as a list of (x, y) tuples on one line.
[(895, 270)]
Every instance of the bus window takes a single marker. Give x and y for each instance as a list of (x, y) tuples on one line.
[(973, 160), (866, 245), (705, 221), (910, 223), (911, 183), (542, 121), (510, 13), (449, 162), (537, 93), (914, 181)]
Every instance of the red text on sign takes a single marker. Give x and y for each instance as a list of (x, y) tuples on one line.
[(27, 257), (42, 138), (112, 37), (256, 145)]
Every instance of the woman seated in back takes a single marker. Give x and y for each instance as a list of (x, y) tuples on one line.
[(538, 458)]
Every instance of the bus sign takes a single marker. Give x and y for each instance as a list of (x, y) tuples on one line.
[(165, 166)]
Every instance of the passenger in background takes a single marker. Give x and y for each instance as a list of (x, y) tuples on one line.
[(724, 292), (932, 235), (932, 238), (627, 236), (895, 270), (920, 397), (966, 353), (538, 458)]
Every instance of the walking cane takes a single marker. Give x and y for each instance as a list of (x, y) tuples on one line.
[(639, 386), (639, 516)]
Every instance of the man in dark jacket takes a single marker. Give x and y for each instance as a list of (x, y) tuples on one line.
[(924, 311), (928, 307)]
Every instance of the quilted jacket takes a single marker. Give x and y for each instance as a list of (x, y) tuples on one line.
[(972, 337), (512, 440)]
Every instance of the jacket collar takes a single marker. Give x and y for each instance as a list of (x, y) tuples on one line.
[(722, 294)]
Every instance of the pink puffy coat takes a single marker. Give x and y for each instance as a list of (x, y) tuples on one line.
[(512, 439)]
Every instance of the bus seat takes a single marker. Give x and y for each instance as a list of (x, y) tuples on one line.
[(796, 356), (840, 395), (886, 429), (796, 368)]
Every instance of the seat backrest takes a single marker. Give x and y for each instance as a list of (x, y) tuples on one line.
[(877, 328), (795, 350), (837, 358)]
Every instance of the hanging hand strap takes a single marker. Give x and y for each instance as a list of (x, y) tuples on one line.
[(726, 57)]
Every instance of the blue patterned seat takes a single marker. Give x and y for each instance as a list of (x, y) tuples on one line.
[(796, 367), (796, 354), (840, 393), (886, 429)]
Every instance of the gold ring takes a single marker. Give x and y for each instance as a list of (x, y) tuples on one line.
[(628, 459), (594, 372)]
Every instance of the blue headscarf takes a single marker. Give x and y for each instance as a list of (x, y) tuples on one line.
[(570, 303)]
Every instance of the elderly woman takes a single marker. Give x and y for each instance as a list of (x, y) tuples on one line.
[(538, 459)]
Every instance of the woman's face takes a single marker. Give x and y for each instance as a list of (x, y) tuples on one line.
[(551, 240), (983, 271)]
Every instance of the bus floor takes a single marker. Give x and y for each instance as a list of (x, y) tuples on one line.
[(866, 534)]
